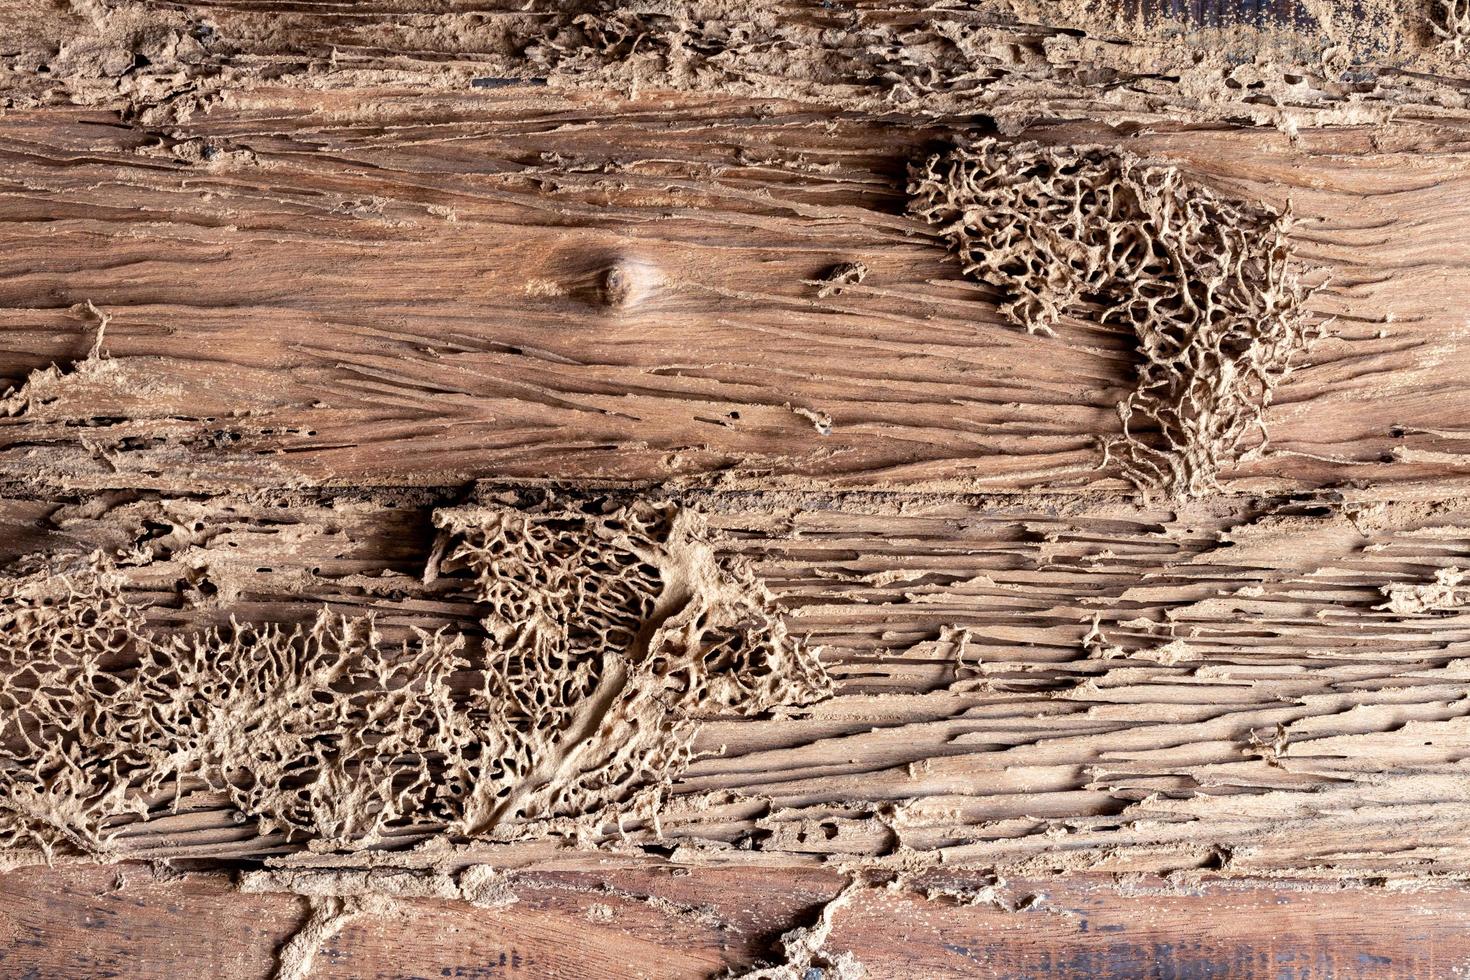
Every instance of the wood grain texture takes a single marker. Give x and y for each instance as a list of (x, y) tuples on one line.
[(100, 921), (1043, 686), (411, 290), (1020, 60), (279, 280)]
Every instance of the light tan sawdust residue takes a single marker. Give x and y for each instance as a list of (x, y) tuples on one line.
[(328, 916), (1206, 285), (821, 421), (478, 884), (486, 887), (96, 52), (835, 279), (618, 633), (1448, 592), (44, 386), (1171, 653), (803, 952), (612, 632), (198, 152), (983, 896), (314, 731), (1017, 60), (1269, 749)]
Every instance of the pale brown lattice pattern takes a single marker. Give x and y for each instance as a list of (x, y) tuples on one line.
[(614, 635), (1206, 285), (611, 632), (1451, 25)]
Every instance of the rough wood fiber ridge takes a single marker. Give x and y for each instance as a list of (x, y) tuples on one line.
[(1032, 685), (899, 457)]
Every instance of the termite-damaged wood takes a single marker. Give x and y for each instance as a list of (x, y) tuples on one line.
[(1295, 64), (413, 290), (1039, 685), (279, 283)]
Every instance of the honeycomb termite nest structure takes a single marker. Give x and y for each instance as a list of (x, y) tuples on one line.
[(1206, 284), (614, 634), (611, 631), (1450, 22)]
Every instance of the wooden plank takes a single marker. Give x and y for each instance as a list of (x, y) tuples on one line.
[(87, 921), (1017, 59), (412, 290), (1039, 686)]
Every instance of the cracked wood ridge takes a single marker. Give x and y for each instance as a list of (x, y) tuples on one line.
[(989, 437)]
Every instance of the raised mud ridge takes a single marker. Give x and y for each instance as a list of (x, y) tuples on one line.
[(1206, 285), (610, 633)]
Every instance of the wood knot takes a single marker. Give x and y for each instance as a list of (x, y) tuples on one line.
[(625, 283)]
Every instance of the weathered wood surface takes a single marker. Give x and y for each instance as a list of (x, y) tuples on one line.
[(1017, 59), (306, 272), (72, 922), (377, 289), (1257, 686)]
